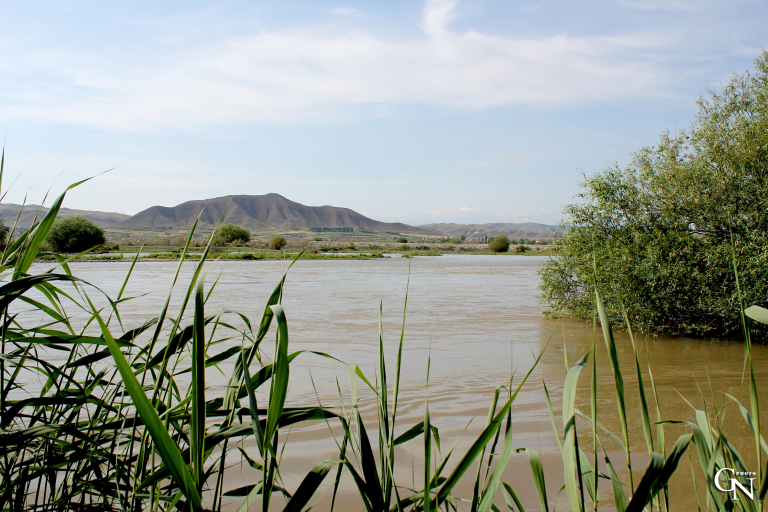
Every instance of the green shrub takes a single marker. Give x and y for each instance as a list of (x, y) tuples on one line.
[(74, 234), (456, 240), (277, 242), (3, 233), (520, 249), (108, 247), (664, 230), (402, 240), (317, 239), (232, 233), (499, 244)]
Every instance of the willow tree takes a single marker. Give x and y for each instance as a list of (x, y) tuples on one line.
[(665, 231)]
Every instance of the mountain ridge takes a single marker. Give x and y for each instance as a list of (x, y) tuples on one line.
[(9, 211), (257, 212)]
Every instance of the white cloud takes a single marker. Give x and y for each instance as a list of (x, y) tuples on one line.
[(347, 11), (322, 73)]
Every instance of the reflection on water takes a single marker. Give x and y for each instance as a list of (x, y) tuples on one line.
[(479, 317)]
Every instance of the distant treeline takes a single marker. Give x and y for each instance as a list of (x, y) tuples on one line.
[(343, 230)]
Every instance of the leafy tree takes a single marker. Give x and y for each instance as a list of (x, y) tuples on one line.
[(402, 240), (664, 231), (231, 233), (500, 243), (74, 234), (3, 233), (277, 242), (456, 240)]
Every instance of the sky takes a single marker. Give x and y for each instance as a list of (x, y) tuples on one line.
[(463, 111)]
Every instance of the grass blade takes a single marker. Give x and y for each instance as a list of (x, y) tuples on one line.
[(197, 421), (165, 446), (310, 484)]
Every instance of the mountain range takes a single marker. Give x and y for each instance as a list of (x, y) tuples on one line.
[(268, 212), (264, 212), (9, 211)]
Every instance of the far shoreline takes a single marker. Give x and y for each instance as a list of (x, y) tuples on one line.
[(155, 256)]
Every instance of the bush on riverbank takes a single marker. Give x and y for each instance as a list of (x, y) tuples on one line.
[(277, 242), (74, 234), (663, 230), (500, 243), (231, 234)]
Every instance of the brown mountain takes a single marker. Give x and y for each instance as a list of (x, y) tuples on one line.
[(259, 213), (9, 211), (528, 230)]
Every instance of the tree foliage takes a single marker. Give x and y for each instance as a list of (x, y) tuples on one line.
[(231, 233), (277, 242), (74, 234), (3, 233), (500, 243), (664, 230)]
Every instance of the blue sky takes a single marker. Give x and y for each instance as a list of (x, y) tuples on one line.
[(442, 111)]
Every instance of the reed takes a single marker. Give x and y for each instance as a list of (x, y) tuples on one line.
[(131, 435)]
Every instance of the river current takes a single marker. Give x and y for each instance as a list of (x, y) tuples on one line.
[(478, 319)]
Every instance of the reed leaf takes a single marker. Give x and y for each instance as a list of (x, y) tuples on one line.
[(537, 471), (310, 484), (657, 475), (197, 421), (165, 446), (279, 388), (618, 380), (569, 449)]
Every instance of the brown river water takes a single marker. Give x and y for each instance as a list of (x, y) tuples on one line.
[(479, 319)]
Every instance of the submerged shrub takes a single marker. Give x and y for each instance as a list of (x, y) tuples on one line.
[(664, 230), (499, 244), (74, 234)]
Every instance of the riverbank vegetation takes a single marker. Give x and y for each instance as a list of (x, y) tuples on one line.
[(99, 415), (231, 234), (74, 234), (667, 230), (500, 243)]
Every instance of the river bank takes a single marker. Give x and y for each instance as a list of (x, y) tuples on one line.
[(244, 254)]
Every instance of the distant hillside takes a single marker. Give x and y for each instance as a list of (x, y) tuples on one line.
[(258, 213), (512, 230), (8, 213)]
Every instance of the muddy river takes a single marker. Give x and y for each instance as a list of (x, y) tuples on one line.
[(479, 319)]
